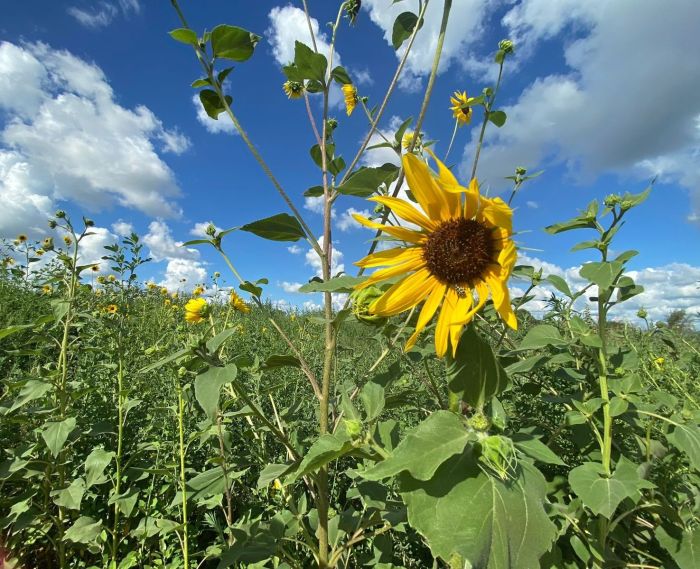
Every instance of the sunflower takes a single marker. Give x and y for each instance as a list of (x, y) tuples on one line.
[(46, 289), (111, 278), (460, 111), (67, 240), (293, 89), (408, 138), (195, 310), (111, 309), (22, 238), (95, 268), (461, 248), (350, 93), (198, 290), (238, 303), (164, 291)]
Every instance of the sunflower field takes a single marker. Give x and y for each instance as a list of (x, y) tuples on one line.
[(431, 421)]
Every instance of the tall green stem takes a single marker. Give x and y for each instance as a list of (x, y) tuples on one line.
[(488, 106), (118, 458), (183, 478)]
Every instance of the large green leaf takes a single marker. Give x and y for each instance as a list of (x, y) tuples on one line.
[(33, 389), (541, 336), (55, 434), (427, 446), (325, 449), (365, 181), (686, 438), (210, 483), (403, 28), (70, 497), (603, 273), (309, 65), (345, 283), (474, 374), (84, 530), (685, 550), (212, 103), (184, 35), (280, 227), (477, 519), (232, 42), (207, 387), (95, 465)]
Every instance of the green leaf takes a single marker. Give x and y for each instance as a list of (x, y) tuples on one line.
[(70, 497), (84, 530), (184, 35), (207, 387), (33, 389), (55, 434), (314, 192), (345, 283), (366, 181), (474, 374), (14, 329), (281, 360), (441, 436), (541, 336), (325, 449), (536, 449), (373, 400), (560, 284), (198, 83), (315, 152), (403, 28), (95, 465), (280, 227), (685, 551), (584, 333), (232, 42), (272, 471), (686, 438), (602, 273), (398, 135), (211, 483), (310, 65), (478, 520), (212, 103), (580, 222), (498, 118), (341, 76)]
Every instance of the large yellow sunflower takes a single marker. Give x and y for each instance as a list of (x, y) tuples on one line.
[(196, 310), (460, 111), (350, 94), (461, 251)]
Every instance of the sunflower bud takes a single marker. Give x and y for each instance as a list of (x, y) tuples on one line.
[(361, 301), (352, 9), (479, 422), (520, 171), (353, 428), (506, 46), (210, 230), (60, 214), (612, 200), (625, 205), (52, 224), (47, 244), (182, 372), (88, 222), (641, 313), (498, 456)]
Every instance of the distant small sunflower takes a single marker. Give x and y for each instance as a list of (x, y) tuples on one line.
[(67, 240), (22, 238), (164, 291), (47, 289), (238, 303), (111, 278), (459, 108), (195, 310), (95, 268), (111, 309), (293, 89), (151, 286), (350, 94), (198, 290), (40, 252)]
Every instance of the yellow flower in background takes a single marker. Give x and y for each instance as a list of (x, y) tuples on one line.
[(111, 309), (111, 278), (164, 291), (167, 302), (197, 290), (195, 310), (151, 285), (350, 94), (407, 139), (40, 252), (460, 112), (67, 240), (8, 261), (293, 89), (46, 289), (238, 303), (659, 361), (174, 295), (22, 238), (95, 268), (461, 252)]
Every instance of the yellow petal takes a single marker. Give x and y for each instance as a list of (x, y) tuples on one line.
[(424, 187), (383, 274), (389, 257), (507, 258), (501, 300), (497, 212), (444, 322), (427, 312), (447, 182), (405, 294), (462, 306), (405, 211), (402, 233)]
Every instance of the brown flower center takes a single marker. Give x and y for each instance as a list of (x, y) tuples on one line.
[(458, 251)]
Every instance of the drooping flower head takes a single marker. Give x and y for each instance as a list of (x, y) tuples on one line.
[(196, 310), (460, 111), (95, 268), (293, 89), (350, 94), (461, 252), (22, 238), (238, 303)]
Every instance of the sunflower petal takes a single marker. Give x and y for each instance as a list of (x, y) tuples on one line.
[(447, 182), (444, 322), (404, 295), (389, 257), (501, 299), (497, 212), (408, 235), (427, 312), (383, 274), (424, 188), (405, 211)]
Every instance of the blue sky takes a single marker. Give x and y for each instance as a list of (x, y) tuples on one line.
[(97, 116)]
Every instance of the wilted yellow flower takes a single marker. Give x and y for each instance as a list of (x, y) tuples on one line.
[(462, 246), (293, 89), (460, 111), (238, 303), (67, 240), (350, 94), (22, 238), (111, 309), (46, 289), (197, 290), (195, 310)]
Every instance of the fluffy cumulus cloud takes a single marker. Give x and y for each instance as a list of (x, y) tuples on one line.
[(122, 228), (66, 138), (465, 29), (619, 105), (97, 15), (346, 221), (200, 229), (667, 288)]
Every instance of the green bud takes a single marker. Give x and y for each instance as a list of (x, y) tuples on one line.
[(210, 230), (362, 300), (331, 125), (60, 214), (498, 456), (506, 46), (217, 275), (612, 200), (641, 313), (182, 372), (353, 427), (88, 222), (520, 171), (52, 224), (352, 9), (625, 205), (479, 422)]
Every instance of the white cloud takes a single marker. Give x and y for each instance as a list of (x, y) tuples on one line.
[(103, 13), (122, 228), (465, 28), (619, 107), (532, 205), (162, 246), (174, 141), (314, 261), (92, 248), (315, 205), (346, 222), (222, 124), (183, 274), (379, 156), (290, 287), (288, 24), (200, 229), (69, 140), (362, 77), (294, 249)]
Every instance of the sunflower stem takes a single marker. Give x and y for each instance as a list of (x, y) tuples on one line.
[(488, 105), (454, 134)]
